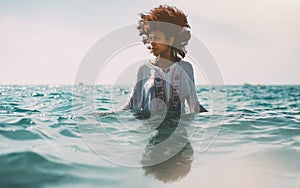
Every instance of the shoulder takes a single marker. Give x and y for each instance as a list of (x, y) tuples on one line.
[(144, 68), (185, 65)]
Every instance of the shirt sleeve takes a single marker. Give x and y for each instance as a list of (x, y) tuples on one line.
[(136, 97), (192, 99)]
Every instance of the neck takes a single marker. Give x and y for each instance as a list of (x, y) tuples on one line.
[(163, 63), (166, 55)]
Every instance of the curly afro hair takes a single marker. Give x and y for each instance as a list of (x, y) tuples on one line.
[(172, 22)]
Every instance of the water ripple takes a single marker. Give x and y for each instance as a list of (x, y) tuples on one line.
[(41, 129)]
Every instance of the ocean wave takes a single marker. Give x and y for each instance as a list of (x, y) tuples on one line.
[(20, 134), (30, 169), (260, 126)]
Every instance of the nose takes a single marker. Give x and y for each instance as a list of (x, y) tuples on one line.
[(152, 43)]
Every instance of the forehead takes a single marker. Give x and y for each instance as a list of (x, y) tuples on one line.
[(157, 33)]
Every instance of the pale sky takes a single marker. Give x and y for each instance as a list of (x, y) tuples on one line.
[(252, 41)]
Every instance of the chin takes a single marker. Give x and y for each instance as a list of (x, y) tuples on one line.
[(156, 55)]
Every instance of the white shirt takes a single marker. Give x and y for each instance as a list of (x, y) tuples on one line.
[(156, 90)]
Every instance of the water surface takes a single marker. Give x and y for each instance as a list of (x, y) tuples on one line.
[(50, 138)]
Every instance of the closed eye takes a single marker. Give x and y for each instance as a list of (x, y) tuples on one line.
[(154, 38)]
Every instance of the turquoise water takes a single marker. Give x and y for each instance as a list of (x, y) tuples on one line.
[(50, 137)]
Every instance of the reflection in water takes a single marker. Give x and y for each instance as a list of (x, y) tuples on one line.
[(172, 161)]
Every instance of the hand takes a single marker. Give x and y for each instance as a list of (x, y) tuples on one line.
[(202, 109)]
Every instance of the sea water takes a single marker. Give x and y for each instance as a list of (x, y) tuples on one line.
[(59, 136)]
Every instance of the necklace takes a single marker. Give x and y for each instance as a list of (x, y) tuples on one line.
[(165, 68)]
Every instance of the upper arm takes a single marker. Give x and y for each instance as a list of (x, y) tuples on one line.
[(189, 71), (136, 96)]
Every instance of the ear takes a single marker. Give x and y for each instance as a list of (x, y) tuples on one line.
[(171, 41)]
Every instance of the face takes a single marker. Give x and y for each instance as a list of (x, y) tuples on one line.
[(159, 44)]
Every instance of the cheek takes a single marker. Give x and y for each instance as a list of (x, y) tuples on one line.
[(161, 46)]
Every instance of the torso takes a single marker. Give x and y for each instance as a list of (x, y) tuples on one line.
[(163, 86)]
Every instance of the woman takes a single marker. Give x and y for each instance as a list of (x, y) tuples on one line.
[(166, 83)]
